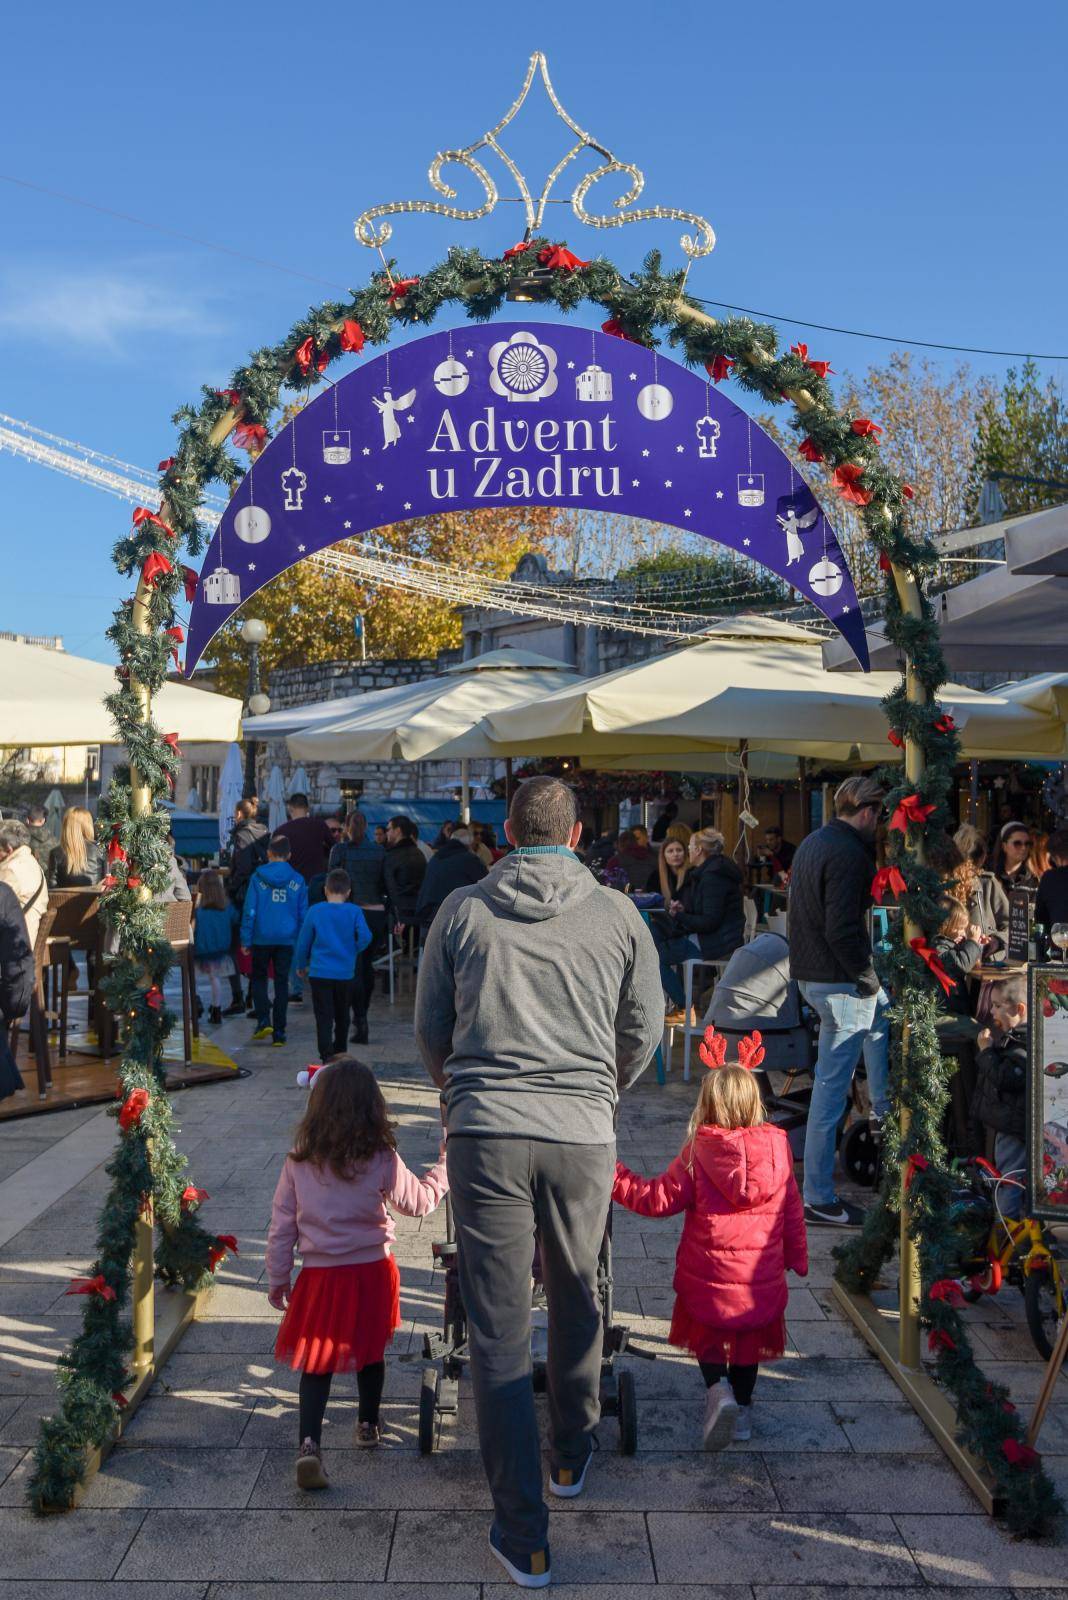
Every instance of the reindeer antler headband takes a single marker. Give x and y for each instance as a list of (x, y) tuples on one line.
[(713, 1050)]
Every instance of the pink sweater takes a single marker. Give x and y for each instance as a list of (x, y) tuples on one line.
[(339, 1222)]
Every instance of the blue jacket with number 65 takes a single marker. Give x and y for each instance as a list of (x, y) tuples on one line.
[(274, 906)]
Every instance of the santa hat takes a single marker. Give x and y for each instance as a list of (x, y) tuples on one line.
[(304, 1078)]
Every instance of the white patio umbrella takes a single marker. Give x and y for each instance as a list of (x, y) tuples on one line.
[(231, 788), (276, 799), (55, 806), (298, 783), (193, 802)]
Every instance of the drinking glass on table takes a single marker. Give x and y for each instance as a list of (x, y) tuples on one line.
[(1059, 936)]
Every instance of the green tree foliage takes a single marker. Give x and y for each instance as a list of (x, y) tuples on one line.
[(689, 580), (1023, 430)]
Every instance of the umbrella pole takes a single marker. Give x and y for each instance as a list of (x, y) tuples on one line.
[(508, 785), (465, 791), (973, 792), (802, 794)]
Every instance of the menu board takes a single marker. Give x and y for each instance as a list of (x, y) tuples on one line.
[(1021, 914), (1048, 1092)]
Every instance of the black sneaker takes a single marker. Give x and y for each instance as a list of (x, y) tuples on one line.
[(567, 1482), (837, 1214), (528, 1570), (215, 1015), (358, 1034), (236, 1009), (296, 999)]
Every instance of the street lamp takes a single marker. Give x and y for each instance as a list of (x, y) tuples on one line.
[(254, 632)]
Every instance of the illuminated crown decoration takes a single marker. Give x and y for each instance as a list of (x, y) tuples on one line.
[(700, 243)]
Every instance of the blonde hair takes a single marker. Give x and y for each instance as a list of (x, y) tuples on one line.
[(678, 833), (856, 794), (729, 1097), (74, 835), (955, 918), (710, 840)]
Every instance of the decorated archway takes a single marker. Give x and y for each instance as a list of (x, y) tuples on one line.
[(500, 394)]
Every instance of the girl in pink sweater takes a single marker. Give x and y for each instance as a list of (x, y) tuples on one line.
[(331, 1203), (744, 1227)]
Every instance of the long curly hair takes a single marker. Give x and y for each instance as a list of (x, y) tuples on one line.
[(346, 1122)]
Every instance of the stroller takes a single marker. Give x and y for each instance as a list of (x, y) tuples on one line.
[(756, 991), (439, 1394)]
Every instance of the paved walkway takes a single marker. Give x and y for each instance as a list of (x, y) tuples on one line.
[(840, 1492)]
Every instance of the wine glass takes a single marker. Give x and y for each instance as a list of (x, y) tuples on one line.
[(1059, 936)]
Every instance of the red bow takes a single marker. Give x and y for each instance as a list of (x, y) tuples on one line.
[(132, 882), (895, 739), (156, 566), (947, 1290), (865, 428), (516, 250), (143, 514), (119, 1399), (225, 1241), (234, 396), (133, 1108), (751, 1051), (230, 1241), (177, 637), (1020, 1455), (916, 1163), (945, 724), (165, 466), (560, 258), (846, 482), (931, 961), (305, 354), (250, 436), (172, 740), (192, 1196), (712, 1049), (885, 564), (908, 491), (98, 1285), (352, 336), (810, 451), (154, 997), (911, 809), (820, 368), (887, 880), (190, 579), (939, 1339), (719, 367), (614, 327), (398, 290), (115, 849)]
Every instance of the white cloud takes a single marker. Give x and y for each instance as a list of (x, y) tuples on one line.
[(99, 311)]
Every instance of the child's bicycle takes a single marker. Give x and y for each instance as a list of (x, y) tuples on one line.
[(1017, 1252)]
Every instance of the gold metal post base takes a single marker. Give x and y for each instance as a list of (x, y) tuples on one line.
[(879, 1329), (175, 1310)]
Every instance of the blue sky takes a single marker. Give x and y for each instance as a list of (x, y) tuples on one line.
[(896, 169)]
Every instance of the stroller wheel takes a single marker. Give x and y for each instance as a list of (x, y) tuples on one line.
[(628, 1414), (428, 1410), (860, 1155)]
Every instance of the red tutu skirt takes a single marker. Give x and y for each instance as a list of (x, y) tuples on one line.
[(742, 1347), (340, 1319)]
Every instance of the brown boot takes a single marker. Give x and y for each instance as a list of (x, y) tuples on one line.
[(311, 1474)]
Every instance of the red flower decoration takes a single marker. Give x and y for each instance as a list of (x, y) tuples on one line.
[(559, 258), (846, 481), (616, 329), (911, 809), (155, 567), (98, 1285), (517, 250), (1019, 1455), (165, 466), (305, 354), (887, 880), (190, 579), (931, 961), (192, 1196), (250, 436), (810, 451), (939, 1339), (399, 289), (865, 428), (133, 1108), (719, 367), (949, 1291), (352, 336)]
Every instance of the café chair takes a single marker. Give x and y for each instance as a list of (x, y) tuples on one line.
[(177, 930)]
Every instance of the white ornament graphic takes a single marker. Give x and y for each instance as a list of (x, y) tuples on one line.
[(707, 430), (337, 447), (522, 368), (451, 377), (826, 577), (222, 588), (750, 489), (593, 384), (387, 407), (252, 524), (294, 483), (655, 402)]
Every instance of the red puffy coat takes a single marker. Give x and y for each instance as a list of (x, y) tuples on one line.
[(744, 1226)]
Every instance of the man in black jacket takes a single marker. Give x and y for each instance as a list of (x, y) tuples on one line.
[(1000, 1099), (831, 958), (1051, 901), (453, 865), (404, 869)]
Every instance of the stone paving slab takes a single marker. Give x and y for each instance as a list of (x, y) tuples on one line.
[(65, 1547), (63, 1589), (867, 1483), (867, 1551), (346, 1591), (267, 1546), (588, 1548), (971, 1552)]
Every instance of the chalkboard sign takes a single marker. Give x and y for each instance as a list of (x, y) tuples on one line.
[(1021, 913)]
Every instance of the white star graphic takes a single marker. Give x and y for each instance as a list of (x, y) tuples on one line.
[(252, 566), (346, 524), (409, 419), (367, 450), (302, 547), (571, 366), (845, 611), (407, 505), (633, 376), (378, 486), (687, 512), (327, 499), (719, 494), (746, 543), (469, 352), (634, 483), (679, 448), (667, 483), (645, 452)]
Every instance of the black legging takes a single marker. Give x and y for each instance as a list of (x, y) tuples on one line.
[(315, 1392), (742, 1379)]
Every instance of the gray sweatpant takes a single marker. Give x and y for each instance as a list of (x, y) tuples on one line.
[(502, 1190)]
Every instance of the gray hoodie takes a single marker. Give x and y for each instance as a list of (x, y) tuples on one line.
[(539, 999)]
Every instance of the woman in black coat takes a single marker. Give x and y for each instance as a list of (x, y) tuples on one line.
[(16, 982), (77, 862), (709, 919)]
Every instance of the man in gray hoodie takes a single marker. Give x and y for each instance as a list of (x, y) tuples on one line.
[(539, 999)]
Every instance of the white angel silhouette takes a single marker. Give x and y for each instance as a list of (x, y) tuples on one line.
[(793, 525), (388, 406)]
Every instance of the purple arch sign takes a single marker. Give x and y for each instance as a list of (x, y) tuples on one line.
[(501, 414)]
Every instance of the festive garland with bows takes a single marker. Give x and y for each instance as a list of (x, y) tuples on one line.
[(147, 632)]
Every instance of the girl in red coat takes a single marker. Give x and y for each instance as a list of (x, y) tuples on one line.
[(744, 1227)]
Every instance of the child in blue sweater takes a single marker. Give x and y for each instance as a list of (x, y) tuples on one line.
[(213, 940), (274, 908), (331, 937)]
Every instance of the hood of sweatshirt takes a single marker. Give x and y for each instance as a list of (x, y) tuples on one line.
[(536, 885), (276, 873), (748, 1165)]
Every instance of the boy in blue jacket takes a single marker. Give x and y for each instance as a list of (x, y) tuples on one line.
[(331, 937), (275, 904)]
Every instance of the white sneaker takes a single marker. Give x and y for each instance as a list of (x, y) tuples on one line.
[(721, 1414), (743, 1427)]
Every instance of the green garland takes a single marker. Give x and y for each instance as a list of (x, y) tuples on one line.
[(651, 304)]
